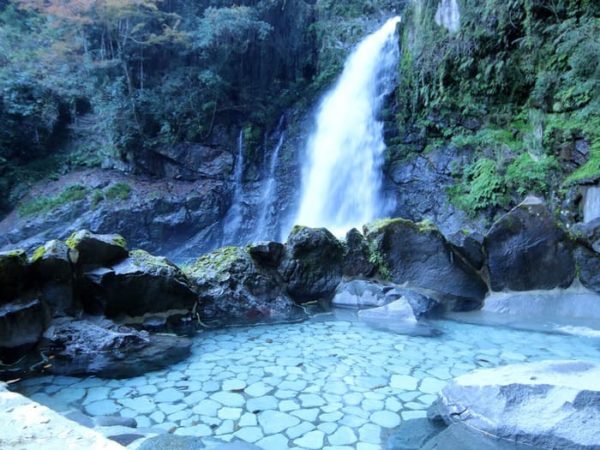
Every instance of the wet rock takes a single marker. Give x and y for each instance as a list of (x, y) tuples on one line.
[(267, 253), (188, 161), (22, 324), (233, 288), (588, 234), (52, 266), (14, 271), (565, 396), (527, 250), (413, 434), (418, 254), (100, 347), (359, 294), (396, 311), (458, 436), (312, 266), (137, 285), (98, 249), (357, 256), (469, 246), (588, 268)]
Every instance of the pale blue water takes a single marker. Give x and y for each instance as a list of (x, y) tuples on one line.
[(320, 384)]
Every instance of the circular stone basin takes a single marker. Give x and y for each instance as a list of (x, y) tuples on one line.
[(309, 385)]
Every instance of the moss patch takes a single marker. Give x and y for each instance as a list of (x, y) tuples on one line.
[(118, 191), (44, 205)]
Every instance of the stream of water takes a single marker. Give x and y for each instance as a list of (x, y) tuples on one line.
[(342, 170), (233, 219)]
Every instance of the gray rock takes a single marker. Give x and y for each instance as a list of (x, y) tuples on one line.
[(137, 285), (359, 294), (458, 436), (469, 246), (267, 253), (413, 434), (357, 256), (527, 250), (550, 404), (312, 266), (99, 347), (115, 421), (22, 324), (233, 288), (14, 271), (98, 249), (588, 268), (396, 311), (418, 254)]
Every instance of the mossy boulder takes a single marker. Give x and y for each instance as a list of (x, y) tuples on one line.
[(14, 272), (98, 249), (237, 288), (140, 284), (54, 261), (419, 255), (312, 266), (53, 267), (357, 260), (528, 250)]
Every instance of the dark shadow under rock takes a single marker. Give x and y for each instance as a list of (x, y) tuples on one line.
[(413, 434), (102, 348)]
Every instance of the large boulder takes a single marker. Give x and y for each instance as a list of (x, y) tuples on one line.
[(469, 246), (588, 234), (364, 294), (98, 249), (140, 284), (100, 347), (528, 250), (588, 268), (22, 324), (234, 287), (312, 266), (419, 255), (357, 257), (52, 267), (550, 404), (14, 271)]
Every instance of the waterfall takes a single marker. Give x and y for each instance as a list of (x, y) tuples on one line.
[(341, 177), (233, 218), (591, 204), (267, 219), (448, 15)]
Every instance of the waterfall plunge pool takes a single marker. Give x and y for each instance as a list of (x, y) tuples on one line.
[(328, 382)]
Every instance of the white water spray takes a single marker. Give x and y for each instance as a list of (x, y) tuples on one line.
[(341, 185), (591, 205), (265, 226), (233, 218), (448, 15)]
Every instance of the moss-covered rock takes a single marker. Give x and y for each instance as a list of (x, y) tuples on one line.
[(527, 249), (418, 254), (98, 249), (140, 284), (312, 266), (235, 287), (14, 270), (52, 268), (357, 256)]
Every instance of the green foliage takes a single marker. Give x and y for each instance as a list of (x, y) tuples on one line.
[(118, 191), (43, 205)]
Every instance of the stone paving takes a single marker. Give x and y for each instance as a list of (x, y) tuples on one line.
[(336, 385)]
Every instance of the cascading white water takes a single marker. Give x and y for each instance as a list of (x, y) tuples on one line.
[(233, 218), (264, 226), (342, 173), (591, 204), (448, 15)]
